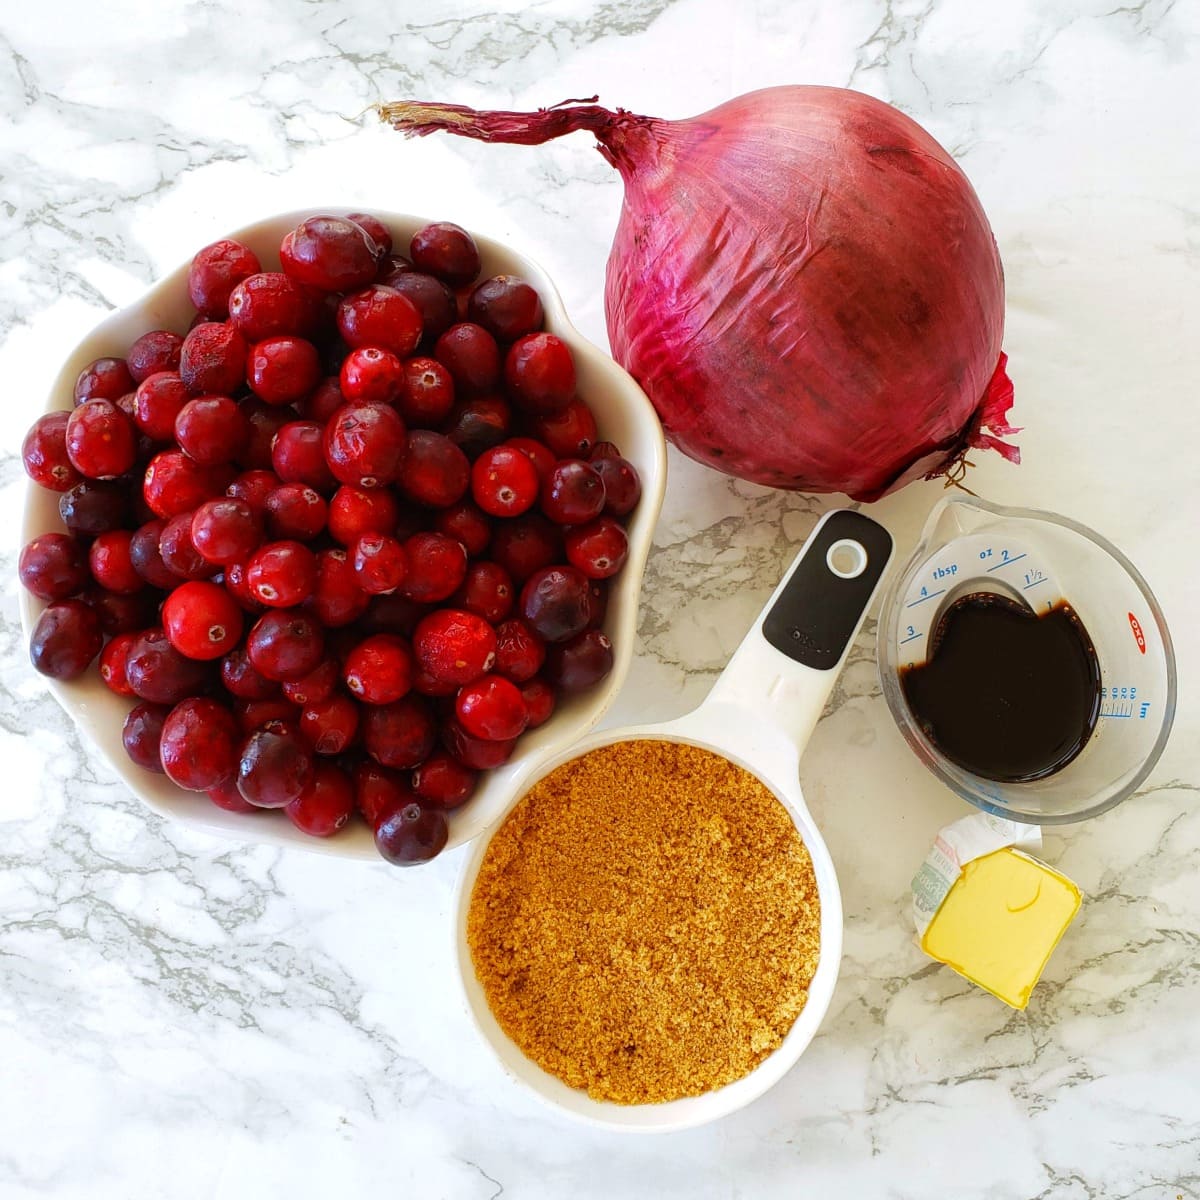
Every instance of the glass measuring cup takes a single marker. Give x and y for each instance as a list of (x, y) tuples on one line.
[(1039, 559), (759, 715)]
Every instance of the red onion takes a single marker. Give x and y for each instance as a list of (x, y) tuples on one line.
[(802, 280)]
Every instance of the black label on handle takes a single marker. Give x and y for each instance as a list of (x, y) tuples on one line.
[(818, 611)]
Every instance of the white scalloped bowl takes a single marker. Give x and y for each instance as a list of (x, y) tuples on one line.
[(623, 414)]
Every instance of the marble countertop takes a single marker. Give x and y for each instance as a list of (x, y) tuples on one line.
[(186, 1017)]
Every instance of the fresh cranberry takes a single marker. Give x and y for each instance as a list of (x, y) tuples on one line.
[(65, 639), (525, 545), (44, 453), (401, 734), (101, 443), (443, 783), (226, 795), (337, 599), (380, 563), (354, 511), (412, 834), (570, 433), (212, 360), (572, 493), (295, 511), (157, 671), (486, 591), (225, 530), (622, 487), (285, 644), (155, 351), (215, 272), (121, 613), (519, 651), (199, 744), (426, 392), (471, 356), (467, 523), (393, 266), (94, 506), (426, 685), (142, 734), (274, 766), (365, 445), (103, 379), (53, 566), (432, 298), (240, 678), (371, 375), (326, 803), (504, 481), (380, 316), (112, 664), (477, 425), (111, 564), (212, 430), (325, 399), (539, 373), (437, 566), (454, 646), (329, 253), (329, 726), (542, 457), (283, 369), (447, 251), (298, 456), (377, 231), (476, 753), (598, 549), (282, 574), (175, 483), (254, 487), (436, 472), (507, 307), (319, 684), (539, 700), (379, 669), (580, 663), (202, 620), (178, 552), (491, 708), (258, 714), (270, 304), (158, 401), (554, 601), (379, 792), (265, 422)]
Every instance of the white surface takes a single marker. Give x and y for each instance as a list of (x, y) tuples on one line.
[(183, 1017)]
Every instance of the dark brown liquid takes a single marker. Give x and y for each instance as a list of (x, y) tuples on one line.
[(1006, 694)]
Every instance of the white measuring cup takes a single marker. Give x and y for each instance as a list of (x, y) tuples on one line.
[(759, 715), (1040, 559)]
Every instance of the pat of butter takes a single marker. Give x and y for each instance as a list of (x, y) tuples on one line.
[(1000, 922)]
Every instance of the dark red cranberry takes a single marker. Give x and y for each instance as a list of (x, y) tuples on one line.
[(285, 644), (467, 523), (538, 453), (365, 445), (155, 351), (53, 566), (178, 552), (379, 792), (487, 591), (295, 511), (282, 574), (270, 304), (380, 316), (378, 232), (599, 548), (380, 563), (504, 481), (354, 511), (525, 545), (572, 493), (622, 487), (392, 613), (94, 506), (447, 251), (212, 430), (329, 726), (325, 399), (283, 369), (225, 530), (101, 443), (122, 613), (412, 834), (471, 356), (597, 603), (254, 487), (570, 433), (337, 599), (103, 379), (519, 651), (236, 584), (142, 734), (265, 422), (318, 685), (202, 620), (554, 601), (326, 803), (379, 669), (274, 766), (436, 472), (371, 375), (175, 483), (258, 714), (437, 566), (507, 307), (392, 266), (111, 564), (401, 734), (478, 754), (298, 456), (215, 272), (539, 699), (157, 671), (454, 646), (240, 678), (65, 639), (212, 360), (433, 300), (477, 425), (539, 373), (576, 665), (199, 746), (157, 403), (44, 453), (227, 796), (491, 708), (113, 658), (442, 782), (330, 253), (426, 393)]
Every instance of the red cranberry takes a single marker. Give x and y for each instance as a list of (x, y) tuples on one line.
[(254, 487), (622, 487), (282, 574), (471, 356), (142, 734), (199, 745), (103, 379), (379, 792), (519, 651), (598, 549), (240, 679), (282, 370), (258, 714), (401, 734), (112, 663), (427, 685), (426, 392), (412, 834), (238, 586), (478, 754), (443, 783), (507, 307), (53, 566), (477, 425), (436, 471), (572, 493), (155, 351), (157, 403), (100, 440), (295, 511), (319, 684), (94, 506), (270, 304), (554, 601), (337, 599), (433, 300), (329, 726), (225, 530), (323, 401), (447, 251), (393, 266), (371, 375), (578, 664), (65, 639), (298, 456), (539, 701), (212, 360), (570, 433), (437, 566), (215, 272), (380, 563), (378, 232), (212, 430), (380, 316), (175, 483), (111, 563), (157, 671), (379, 670), (539, 454), (265, 422), (454, 646), (365, 445), (44, 453), (491, 708), (539, 373), (202, 620), (326, 803), (467, 523), (178, 552), (504, 481), (525, 545), (226, 795), (487, 591), (329, 253), (274, 767), (285, 644), (122, 613)]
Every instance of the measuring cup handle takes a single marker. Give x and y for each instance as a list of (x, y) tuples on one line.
[(786, 666)]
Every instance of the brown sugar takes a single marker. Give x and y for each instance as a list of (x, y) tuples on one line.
[(645, 923)]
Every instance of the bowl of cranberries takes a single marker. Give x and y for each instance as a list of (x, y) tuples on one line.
[(338, 532)]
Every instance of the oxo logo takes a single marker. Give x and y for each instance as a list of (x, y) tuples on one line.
[(1138, 636)]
